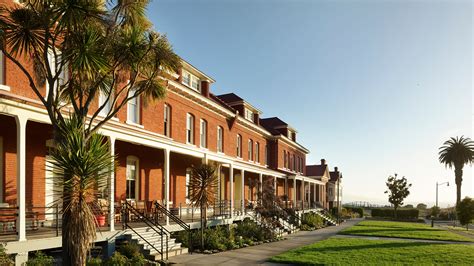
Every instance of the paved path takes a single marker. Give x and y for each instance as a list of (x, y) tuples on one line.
[(258, 255)]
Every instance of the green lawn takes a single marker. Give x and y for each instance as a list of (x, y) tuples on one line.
[(403, 230), (350, 251)]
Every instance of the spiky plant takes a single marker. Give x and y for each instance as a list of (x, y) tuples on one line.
[(72, 51), (455, 153), (203, 191), (81, 167)]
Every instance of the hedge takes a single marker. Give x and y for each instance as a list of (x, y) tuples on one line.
[(401, 213), (360, 211)]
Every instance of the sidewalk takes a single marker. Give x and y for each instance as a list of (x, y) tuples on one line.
[(258, 255)]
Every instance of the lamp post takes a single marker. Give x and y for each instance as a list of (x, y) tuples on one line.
[(437, 186)]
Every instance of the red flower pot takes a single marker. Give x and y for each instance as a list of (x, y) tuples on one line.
[(100, 220)]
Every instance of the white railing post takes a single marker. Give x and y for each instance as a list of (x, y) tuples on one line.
[(21, 176)]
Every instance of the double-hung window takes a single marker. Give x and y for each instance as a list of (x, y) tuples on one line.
[(105, 101), (203, 133), (189, 128), (167, 120), (250, 150), (133, 108), (257, 152), (132, 178), (266, 155), (239, 146), (191, 81), (220, 139)]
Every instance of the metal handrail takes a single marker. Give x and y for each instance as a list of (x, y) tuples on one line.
[(178, 221), (153, 225)]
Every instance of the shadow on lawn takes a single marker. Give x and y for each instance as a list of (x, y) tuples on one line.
[(373, 246), (369, 231)]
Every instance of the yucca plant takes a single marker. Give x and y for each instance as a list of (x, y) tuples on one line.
[(74, 51), (81, 168), (202, 189), (455, 153)]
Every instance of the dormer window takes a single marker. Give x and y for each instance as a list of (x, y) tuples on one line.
[(249, 115), (191, 81)]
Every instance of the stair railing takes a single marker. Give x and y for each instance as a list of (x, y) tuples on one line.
[(128, 209), (160, 208)]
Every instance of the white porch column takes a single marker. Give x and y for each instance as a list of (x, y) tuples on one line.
[(231, 180), (314, 193), (21, 176), (166, 174), (275, 185), (260, 180), (112, 187), (294, 192), (242, 197)]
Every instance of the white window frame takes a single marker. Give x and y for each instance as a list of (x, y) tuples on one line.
[(239, 146), (249, 115), (250, 150), (257, 152), (189, 173), (203, 133), (266, 154), (102, 98), (130, 161), (133, 102), (220, 139), (63, 76), (285, 159), (191, 80), (3, 73), (167, 120), (189, 128)]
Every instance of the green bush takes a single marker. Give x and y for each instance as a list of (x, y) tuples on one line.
[(116, 259), (4, 257), (40, 259), (359, 211), (407, 214), (312, 220), (94, 262), (130, 250)]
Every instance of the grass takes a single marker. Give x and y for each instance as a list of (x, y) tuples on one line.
[(462, 229), (355, 251), (403, 230)]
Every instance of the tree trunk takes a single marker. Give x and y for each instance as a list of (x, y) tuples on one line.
[(202, 229), (395, 211), (458, 174)]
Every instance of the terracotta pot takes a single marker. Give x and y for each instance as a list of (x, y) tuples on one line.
[(100, 220)]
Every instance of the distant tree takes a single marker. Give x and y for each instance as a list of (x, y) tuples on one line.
[(465, 211), (457, 152), (434, 211), (421, 206), (398, 190), (202, 191), (409, 206)]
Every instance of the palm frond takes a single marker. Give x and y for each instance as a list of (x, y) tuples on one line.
[(203, 185), (456, 152)]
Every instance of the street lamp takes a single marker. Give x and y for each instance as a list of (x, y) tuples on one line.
[(437, 185)]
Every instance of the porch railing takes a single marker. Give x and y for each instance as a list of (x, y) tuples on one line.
[(161, 209)]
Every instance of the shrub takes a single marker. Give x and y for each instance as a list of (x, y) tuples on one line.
[(359, 211), (312, 220), (116, 259), (248, 229), (4, 257), (94, 262), (403, 214), (40, 259), (130, 250)]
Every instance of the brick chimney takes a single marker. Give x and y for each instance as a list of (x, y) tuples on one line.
[(335, 169), (256, 118), (323, 161), (205, 88)]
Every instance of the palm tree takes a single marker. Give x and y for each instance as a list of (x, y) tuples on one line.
[(456, 152), (79, 50), (203, 191)]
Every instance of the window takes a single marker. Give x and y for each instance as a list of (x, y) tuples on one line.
[(63, 76), (2, 185), (106, 102), (250, 150), (220, 139), (203, 133), (294, 163), (191, 81), (132, 178), (284, 159), (239, 146), (266, 155), (189, 128), (133, 108), (257, 152), (167, 120), (2, 69), (249, 115)]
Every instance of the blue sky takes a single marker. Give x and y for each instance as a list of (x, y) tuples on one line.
[(373, 86)]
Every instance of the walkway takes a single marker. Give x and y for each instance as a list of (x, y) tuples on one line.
[(258, 255)]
